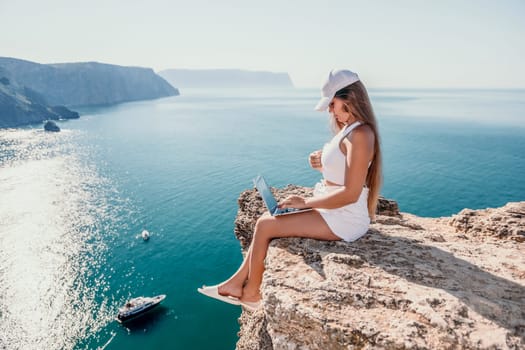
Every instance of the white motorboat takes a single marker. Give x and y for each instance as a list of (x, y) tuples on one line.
[(138, 306)]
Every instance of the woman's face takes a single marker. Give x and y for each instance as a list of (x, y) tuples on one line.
[(337, 111)]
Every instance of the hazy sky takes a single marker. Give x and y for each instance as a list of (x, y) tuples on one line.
[(445, 43)]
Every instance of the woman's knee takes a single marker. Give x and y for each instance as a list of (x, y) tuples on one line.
[(265, 225)]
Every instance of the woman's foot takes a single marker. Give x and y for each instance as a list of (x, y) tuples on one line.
[(213, 292), (251, 299), (251, 295), (230, 288)]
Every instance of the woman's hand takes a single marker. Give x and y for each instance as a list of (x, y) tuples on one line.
[(296, 202), (315, 160)]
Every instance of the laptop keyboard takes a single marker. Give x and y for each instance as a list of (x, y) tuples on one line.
[(287, 210)]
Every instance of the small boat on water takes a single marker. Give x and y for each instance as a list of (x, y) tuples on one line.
[(145, 235), (138, 306)]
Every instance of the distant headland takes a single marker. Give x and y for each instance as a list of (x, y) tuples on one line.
[(225, 78), (32, 92)]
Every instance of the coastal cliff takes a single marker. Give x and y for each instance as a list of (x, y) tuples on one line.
[(87, 83), (410, 283), (22, 105), (42, 87)]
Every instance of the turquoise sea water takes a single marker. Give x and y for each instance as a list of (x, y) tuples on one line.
[(72, 204)]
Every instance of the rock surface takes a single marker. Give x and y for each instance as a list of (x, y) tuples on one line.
[(51, 126), (507, 222), (410, 283)]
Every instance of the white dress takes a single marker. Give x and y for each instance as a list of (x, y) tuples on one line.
[(351, 221)]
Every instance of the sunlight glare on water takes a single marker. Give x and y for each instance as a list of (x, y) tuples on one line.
[(49, 242)]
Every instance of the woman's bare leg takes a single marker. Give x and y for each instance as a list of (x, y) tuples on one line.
[(308, 225), (233, 286)]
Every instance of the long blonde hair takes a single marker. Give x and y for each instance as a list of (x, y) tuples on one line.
[(357, 103)]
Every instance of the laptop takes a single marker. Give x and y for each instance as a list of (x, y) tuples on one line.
[(269, 199)]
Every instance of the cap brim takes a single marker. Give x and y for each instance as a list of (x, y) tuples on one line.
[(323, 104)]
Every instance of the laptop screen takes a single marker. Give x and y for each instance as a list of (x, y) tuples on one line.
[(265, 193)]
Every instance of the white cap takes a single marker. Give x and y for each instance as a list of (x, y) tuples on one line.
[(337, 79)]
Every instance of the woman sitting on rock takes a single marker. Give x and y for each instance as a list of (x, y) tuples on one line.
[(343, 202)]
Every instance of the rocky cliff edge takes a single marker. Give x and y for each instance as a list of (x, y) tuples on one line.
[(411, 283)]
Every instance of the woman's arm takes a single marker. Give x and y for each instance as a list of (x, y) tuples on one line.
[(359, 151)]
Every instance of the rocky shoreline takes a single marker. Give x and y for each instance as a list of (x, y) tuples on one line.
[(411, 283)]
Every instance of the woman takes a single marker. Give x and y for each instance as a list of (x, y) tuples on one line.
[(343, 202)]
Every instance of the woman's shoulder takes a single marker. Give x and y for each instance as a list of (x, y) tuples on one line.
[(363, 134), (362, 127)]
